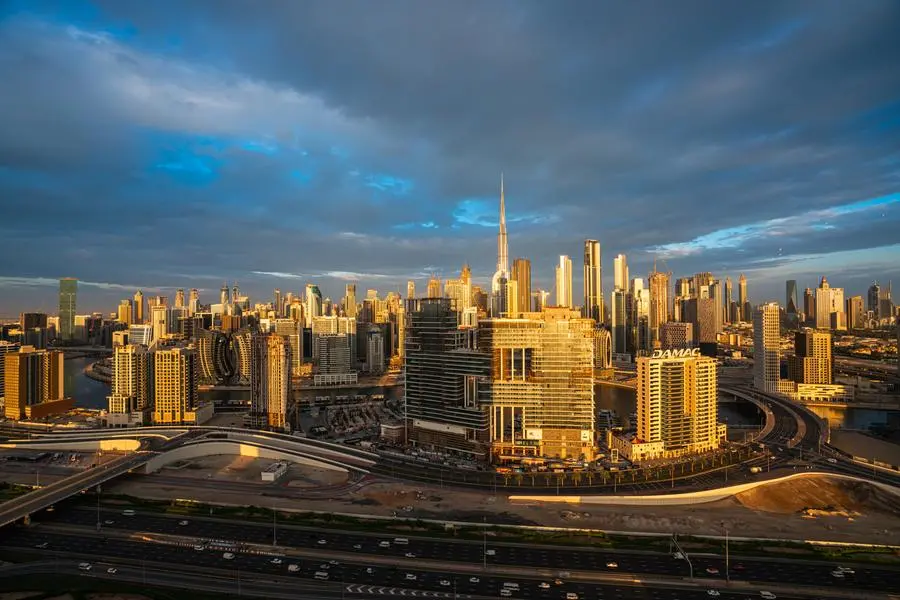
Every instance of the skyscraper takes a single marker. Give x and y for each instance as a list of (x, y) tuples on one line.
[(193, 301), (791, 297), (179, 298), (564, 281), (872, 297), (33, 383), (138, 317), (68, 291), (620, 272), (350, 300), (829, 301), (270, 381), (676, 403), (131, 389), (619, 321), (499, 289), (812, 360), (767, 347), (175, 384), (743, 299), (659, 303), (410, 289), (313, 303), (159, 319), (856, 314), (593, 283), (434, 287), (809, 305), (729, 300), (521, 273)]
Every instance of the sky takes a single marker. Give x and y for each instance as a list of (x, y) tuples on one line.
[(167, 144)]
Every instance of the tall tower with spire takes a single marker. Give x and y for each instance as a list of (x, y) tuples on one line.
[(500, 281)]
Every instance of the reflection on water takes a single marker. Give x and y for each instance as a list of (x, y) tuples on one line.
[(854, 418), (87, 392)]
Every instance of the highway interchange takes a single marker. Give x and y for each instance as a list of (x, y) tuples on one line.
[(72, 531)]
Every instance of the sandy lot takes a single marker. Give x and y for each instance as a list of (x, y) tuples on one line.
[(248, 470), (812, 509)]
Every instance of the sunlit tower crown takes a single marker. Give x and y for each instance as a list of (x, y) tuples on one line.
[(501, 276)]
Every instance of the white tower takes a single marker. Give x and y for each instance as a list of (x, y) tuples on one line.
[(499, 290)]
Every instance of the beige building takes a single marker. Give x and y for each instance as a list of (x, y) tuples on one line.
[(541, 384), (659, 304), (175, 379), (131, 386), (676, 405), (767, 347), (33, 383), (270, 381), (812, 360), (564, 282)]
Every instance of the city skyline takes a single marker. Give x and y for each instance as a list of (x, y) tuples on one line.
[(375, 166)]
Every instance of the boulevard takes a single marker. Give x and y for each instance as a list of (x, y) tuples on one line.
[(73, 530)]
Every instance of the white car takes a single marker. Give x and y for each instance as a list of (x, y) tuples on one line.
[(612, 565), (228, 556), (410, 577), (544, 585), (198, 548), (409, 555), (845, 570), (183, 523), (384, 544), (275, 561), (322, 542), (474, 580), (357, 546), (571, 596), (837, 574), (112, 570), (333, 562), (713, 593), (42, 545), (832, 460), (767, 595), (85, 566), (491, 552), (370, 571), (444, 582), (108, 522), (293, 568)]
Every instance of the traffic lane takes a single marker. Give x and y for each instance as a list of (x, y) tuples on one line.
[(472, 552), (397, 577)]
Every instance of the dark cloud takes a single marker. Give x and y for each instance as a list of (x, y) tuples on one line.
[(162, 143)]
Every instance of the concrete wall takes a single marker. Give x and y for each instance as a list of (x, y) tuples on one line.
[(201, 449), (121, 445), (691, 497)]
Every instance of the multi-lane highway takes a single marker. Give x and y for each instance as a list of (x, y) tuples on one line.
[(74, 530)]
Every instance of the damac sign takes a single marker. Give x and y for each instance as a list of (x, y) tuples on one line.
[(681, 353)]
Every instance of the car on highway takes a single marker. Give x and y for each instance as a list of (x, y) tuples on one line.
[(544, 585), (322, 542), (767, 595), (678, 556), (293, 568), (275, 561), (557, 582), (837, 574), (474, 580), (42, 545), (183, 523), (612, 565), (228, 556), (128, 512), (384, 544), (571, 596), (109, 522), (506, 592), (357, 546), (845, 570), (370, 571), (321, 575), (333, 562), (832, 460), (85, 566), (409, 555), (511, 586), (712, 571), (490, 552), (199, 548), (112, 570), (444, 582), (713, 593), (411, 577)]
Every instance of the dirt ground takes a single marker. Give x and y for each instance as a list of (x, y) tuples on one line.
[(245, 469), (839, 511)]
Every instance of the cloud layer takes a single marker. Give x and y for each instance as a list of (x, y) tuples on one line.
[(178, 144)]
